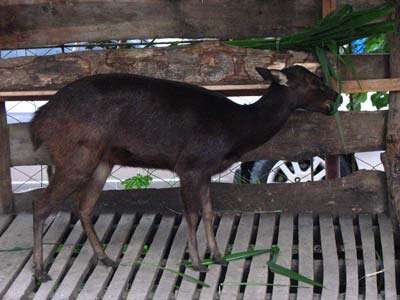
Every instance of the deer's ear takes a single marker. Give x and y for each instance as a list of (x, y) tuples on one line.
[(273, 76)]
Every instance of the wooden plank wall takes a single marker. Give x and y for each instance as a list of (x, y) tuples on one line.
[(37, 23)]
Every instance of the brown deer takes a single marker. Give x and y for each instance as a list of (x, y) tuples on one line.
[(102, 120)]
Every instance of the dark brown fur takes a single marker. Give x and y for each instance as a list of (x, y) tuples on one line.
[(102, 120)]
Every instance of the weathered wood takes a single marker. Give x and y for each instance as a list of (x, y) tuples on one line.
[(369, 256), (388, 256), (362, 86), (16, 232), (207, 63), (167, 281), (60, 264), (6, 196), (363, 191), (304, 135), (258, 269), (23, 285), (306, 251), (71, 283), (37, 23), (332, 162), (350, 252), (144, 279), (392, 158), (224, 232), (97, 282), (187, 289), (124, 272), (285, 243), (5, 220), (12, 261), (368, 66), (332, 165), (234, 272), (328, 6), (330, 258)]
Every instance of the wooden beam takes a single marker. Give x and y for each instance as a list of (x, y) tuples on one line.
[(6, 196), (26, 23), (328, 6), (360, 86), (304, 135), (332, 161), (392, 155), (361, 192), (367, 66), (349, 86), (38, 23), (208, 63), (226, 68)]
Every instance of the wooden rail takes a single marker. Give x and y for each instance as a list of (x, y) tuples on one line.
[(349, 86), (39, 23), (213, 64), (363, 191)]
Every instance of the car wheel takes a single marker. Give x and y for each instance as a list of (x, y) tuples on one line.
[(269, 171)]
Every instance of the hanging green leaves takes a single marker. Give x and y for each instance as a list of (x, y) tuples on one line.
[(342, 27)]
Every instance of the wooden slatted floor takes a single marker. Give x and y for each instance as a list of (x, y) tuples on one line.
[(354, 258)]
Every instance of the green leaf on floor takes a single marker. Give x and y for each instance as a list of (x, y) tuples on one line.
[(15, 249), (278, 269), (184, 276), (233, 256)]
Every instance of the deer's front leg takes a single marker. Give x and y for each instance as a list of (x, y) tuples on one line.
[(208, 218), (191, 201)]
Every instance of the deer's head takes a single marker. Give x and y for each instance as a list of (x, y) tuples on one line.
[(308, 91)]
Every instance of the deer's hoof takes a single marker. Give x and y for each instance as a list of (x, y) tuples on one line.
[(200, 268), (42, 276), (219, 260), (108, 262)]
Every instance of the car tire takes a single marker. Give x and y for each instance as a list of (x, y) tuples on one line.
[(258, 171)]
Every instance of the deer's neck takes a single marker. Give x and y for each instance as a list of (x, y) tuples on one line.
[(263, 119)]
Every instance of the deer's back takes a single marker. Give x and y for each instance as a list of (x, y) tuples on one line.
[(153, 120)]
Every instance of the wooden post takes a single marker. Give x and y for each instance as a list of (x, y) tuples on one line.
[(391, 159), (332, 162), (6, 196)]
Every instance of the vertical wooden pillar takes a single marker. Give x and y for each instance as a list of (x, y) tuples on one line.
[(391, 159), (6, 196), (332, 162)]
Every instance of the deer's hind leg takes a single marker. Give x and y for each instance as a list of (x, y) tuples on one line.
[(87, 198), (71, 174)]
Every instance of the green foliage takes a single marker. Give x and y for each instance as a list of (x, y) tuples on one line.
[(137, 182), (184, 276), (274, 267), (234, 256), (356, 100), (380, 99), (342, 27), (377, 44)]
